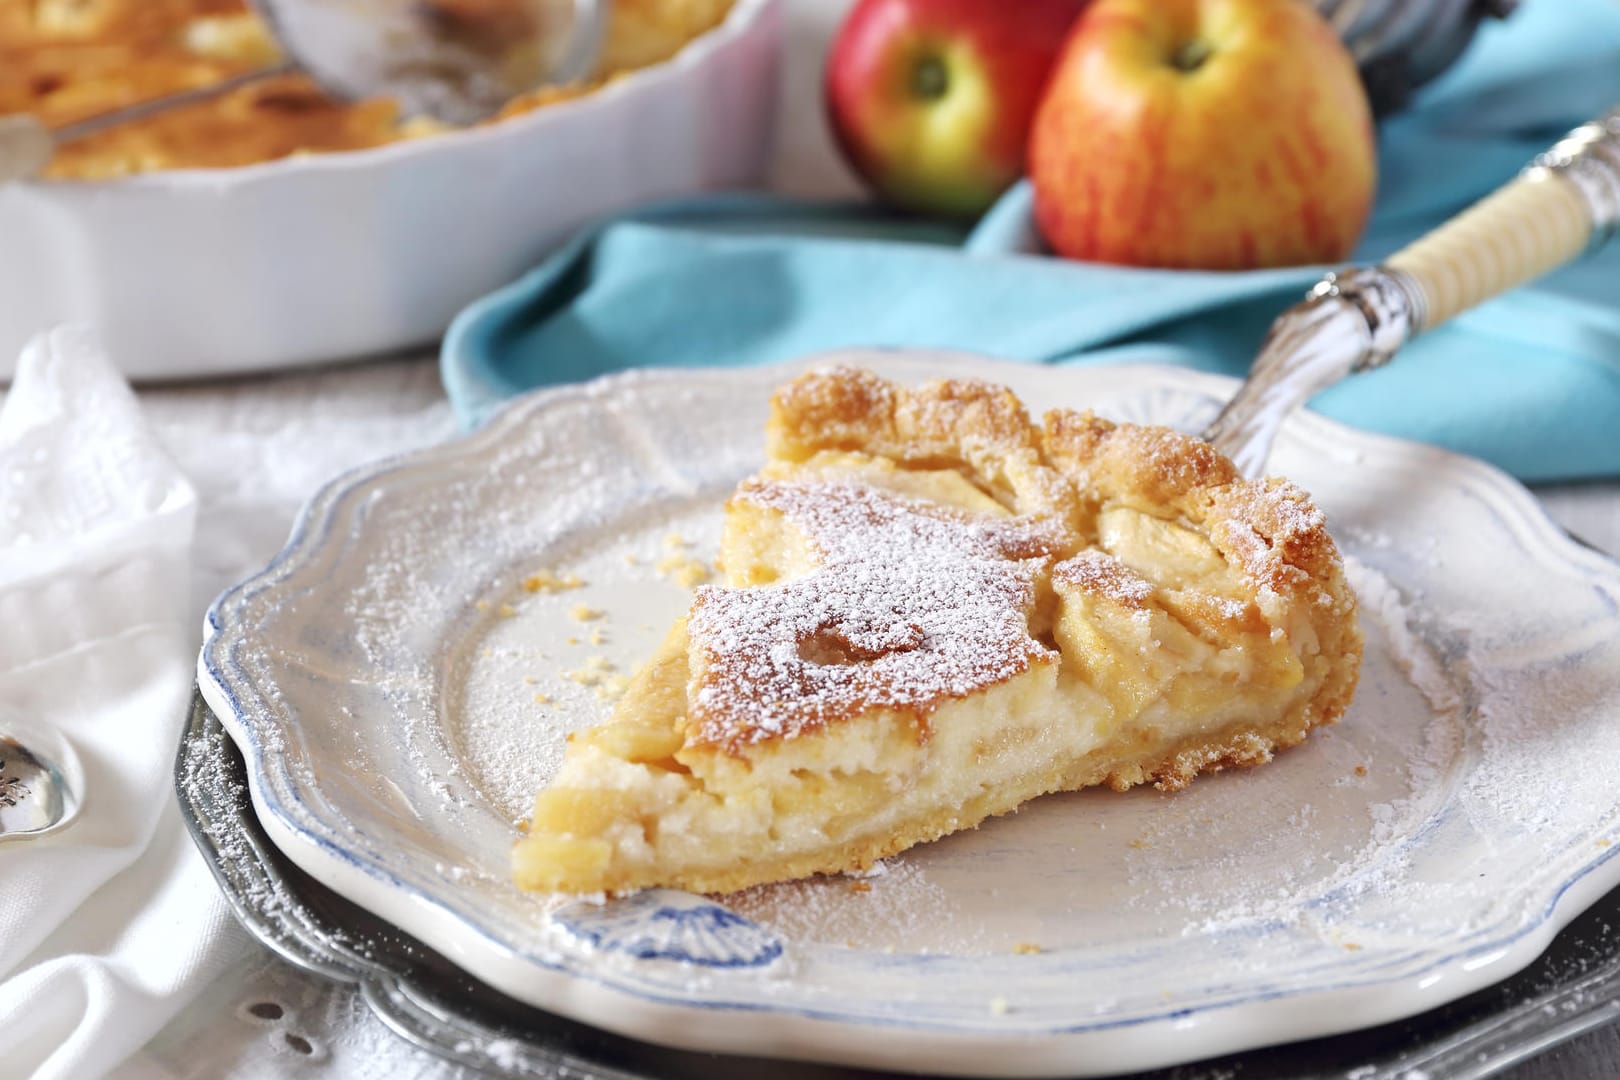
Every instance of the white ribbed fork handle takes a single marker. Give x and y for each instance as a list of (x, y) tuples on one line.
[(1566, 201)]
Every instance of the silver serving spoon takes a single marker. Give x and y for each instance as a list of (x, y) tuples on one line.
[(40, 783), (457, 61)]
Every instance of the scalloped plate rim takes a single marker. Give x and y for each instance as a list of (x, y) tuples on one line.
[(1200, 1031)]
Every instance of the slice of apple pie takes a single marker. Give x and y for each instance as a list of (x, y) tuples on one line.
[(934, 611)]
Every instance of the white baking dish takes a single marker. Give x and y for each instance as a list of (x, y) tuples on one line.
[(213, 271)]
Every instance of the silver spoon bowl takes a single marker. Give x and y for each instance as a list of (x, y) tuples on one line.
[(39, 784), (457, 61)]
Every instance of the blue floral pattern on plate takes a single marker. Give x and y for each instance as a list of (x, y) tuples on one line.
[(665, 924)]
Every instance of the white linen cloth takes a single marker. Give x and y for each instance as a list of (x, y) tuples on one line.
[(120, 519), (109, 924)]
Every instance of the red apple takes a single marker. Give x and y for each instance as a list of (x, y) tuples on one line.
[(1217, 134), (931, 100)]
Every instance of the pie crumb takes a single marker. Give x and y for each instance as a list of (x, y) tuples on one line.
[(684, 569), (613, 688), (546, 581)]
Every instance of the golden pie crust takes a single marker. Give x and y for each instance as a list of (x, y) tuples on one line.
[(933, 611)]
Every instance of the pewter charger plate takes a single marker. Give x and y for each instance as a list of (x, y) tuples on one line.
[(380, 678)]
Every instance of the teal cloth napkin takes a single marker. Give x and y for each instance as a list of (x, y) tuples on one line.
[(1529, 381)]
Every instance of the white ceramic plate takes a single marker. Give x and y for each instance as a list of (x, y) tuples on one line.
[(381, 678), (311, 259)]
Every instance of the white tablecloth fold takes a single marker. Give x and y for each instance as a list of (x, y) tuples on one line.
[(108, 927)]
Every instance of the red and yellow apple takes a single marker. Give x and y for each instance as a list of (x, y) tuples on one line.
[(931, 100), (1212, 134)]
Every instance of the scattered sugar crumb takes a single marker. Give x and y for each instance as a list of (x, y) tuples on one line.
[(542, 699), (482, 605), (1361, 770), (585, 677), (613, 687), (1139, 843), (506, 611), (529, 680), (546, 581), (1026, 948), (999, 1007), (684, 569), (573, 641), (877, 869), (599, 663), (581, 613), (676, 540), (1604, 843), (1351, 946), (598, 636), (860, 887), (631, 560)]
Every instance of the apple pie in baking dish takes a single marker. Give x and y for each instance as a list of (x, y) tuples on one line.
[(934, 611), (67, 60)]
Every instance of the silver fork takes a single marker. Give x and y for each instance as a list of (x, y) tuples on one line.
[(1564, 204)]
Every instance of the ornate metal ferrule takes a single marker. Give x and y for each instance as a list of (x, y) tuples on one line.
[(1348, 322), (1589, 158), (1389, 301)]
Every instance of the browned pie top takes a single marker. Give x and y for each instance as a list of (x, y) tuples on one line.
[(913, 603)]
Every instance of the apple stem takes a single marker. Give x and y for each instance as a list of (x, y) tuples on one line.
[(1191, 55), (929, 78)]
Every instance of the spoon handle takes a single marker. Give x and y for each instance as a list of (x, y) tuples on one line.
[(26, 144), (25, 147), (129, 114)]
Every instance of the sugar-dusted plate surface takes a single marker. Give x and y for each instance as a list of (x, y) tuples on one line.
[(383, 678)]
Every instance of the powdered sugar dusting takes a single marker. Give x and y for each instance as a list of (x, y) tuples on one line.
[(912, 604), (1291, 845), (902, 908), (1106, 575)]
